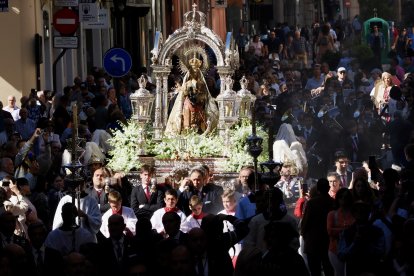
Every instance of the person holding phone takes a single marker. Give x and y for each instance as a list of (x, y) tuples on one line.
[(15, 203)]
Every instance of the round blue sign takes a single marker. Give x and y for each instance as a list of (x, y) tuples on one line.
[(117, 62)]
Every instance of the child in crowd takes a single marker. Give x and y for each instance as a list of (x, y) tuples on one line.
[(230, 204), (194, 219)]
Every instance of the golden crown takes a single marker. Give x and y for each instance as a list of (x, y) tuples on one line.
[(195, 62)]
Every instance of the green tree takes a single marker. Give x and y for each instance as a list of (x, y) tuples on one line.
[(384, 10)]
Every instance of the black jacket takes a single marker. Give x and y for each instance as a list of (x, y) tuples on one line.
[(138, 198)]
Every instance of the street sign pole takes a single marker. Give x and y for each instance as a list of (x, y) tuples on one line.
[(66, 22)]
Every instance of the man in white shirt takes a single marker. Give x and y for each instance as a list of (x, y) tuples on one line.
[(12, 108), (25, 126), (115, 202), (68, 237), (332, 32), (89, 214)]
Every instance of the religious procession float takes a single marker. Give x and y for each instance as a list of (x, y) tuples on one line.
[(175, 131)]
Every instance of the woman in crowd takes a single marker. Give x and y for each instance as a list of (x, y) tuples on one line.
[(258, 46), (338, 220), (324, 43), (380, 94)]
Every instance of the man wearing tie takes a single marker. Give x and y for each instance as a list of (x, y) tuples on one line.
[(146, 198), (198, 185), (342, 168), (118, 248), (97, 191), (45, 261), (355, 144)]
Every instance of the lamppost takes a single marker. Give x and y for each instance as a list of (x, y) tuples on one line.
[(269, 169), (142, 101), (254, 145)]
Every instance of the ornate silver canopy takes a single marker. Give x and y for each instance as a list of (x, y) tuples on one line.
[(193, 37)]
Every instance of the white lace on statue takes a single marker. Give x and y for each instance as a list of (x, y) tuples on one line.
[(287, 148), (194, 85)]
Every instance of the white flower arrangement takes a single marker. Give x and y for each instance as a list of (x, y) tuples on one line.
[(239, 155), (126, 149)]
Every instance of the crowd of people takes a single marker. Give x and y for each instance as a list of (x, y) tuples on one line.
[(343, 204)]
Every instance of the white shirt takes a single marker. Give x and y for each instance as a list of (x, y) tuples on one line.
[(14, 111), (228, 227), (129, 218), (20, 209), (190, 223), (156, 220), (62, 241), (333, 34), (88, 205)]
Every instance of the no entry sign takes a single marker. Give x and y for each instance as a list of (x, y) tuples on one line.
[(66, 21)]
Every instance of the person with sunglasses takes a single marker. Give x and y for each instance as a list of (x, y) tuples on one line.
[(343, 79)]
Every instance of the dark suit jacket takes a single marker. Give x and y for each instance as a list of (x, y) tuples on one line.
[(52, 263), (313, 225), (23, 242), (311, 138), (283, 262), (182, 238), (102, 199), (211, 194), (110, 263), (362, 151), (348, 179), (138, 198)]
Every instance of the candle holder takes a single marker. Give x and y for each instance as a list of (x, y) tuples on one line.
[(182, 143), (247, 99), (254, 145), (142, 101), (74, 168), (228, 104)]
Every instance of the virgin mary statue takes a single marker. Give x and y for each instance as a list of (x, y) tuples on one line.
[(194, 109)]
